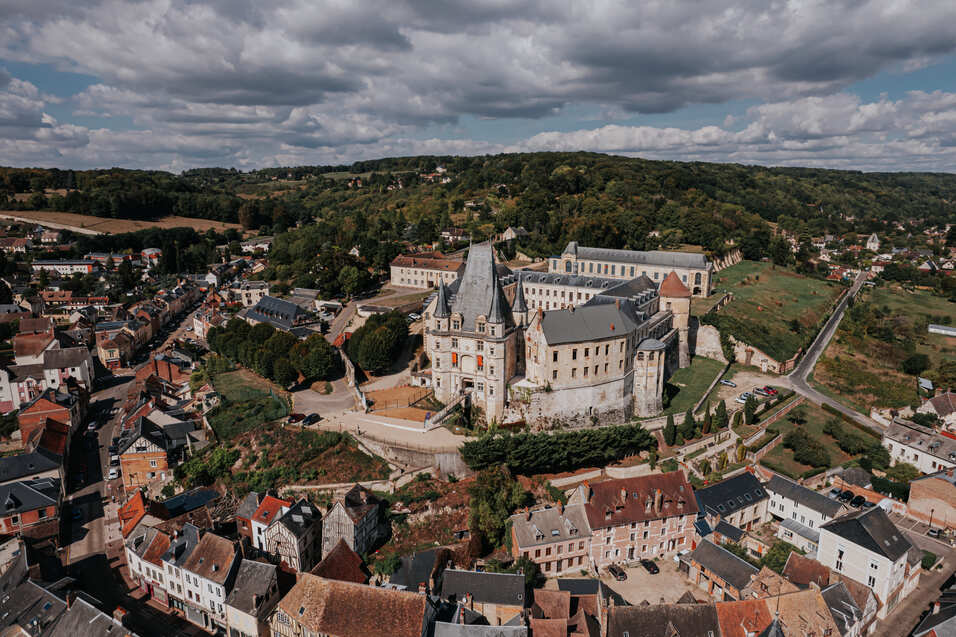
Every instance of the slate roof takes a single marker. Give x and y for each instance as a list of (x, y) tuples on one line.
[(598, 283), (352, 610), (729, 531), (144, 428), (82, 618), (189, 501), (547, 525), (358, 502), (63, 358), (725, 564), (28, 495), (252, 579), (803, 496), (594, 321), (730, 495), (478, 289), (444, 629), (442, 309), (663, 620), (923, 439), (489, 588), (342, 563), (248, 505), (943, 622), (652, 257), (26, 464), (873, 530), (300, 517), (843, 608), (417, 568), (856, 476), (587, 586), (801, 529), (637, 287), (627, 499), (212, 558), (182, 546), (276, 312)]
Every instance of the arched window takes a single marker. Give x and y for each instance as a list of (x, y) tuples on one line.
[(650, 356), (567, 266), (697, 279), (640, 356)]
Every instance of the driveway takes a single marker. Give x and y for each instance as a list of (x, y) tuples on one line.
[(667, 586), (342, 398)]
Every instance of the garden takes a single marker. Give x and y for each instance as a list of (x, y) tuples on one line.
[(687, 385)]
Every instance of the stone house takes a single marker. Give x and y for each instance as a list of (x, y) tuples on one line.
[(497, 596), (717, 571), (557, 539), (933, 499), (252, 599), (356, 518)]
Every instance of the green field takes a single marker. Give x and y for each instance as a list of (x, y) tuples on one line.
[(862, 366), (781, 458), (686, 386), (247, 402), (774, 309)]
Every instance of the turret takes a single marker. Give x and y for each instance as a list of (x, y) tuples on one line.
[(649, 377), (676, 297), (519, 307)]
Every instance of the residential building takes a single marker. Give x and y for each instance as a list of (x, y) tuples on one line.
[(319, 606), (654, 620), (181, 548), (802, 511), (294, 538), (693, 269), (932, 499), (30, 508), (873, 243), (846, 613), (942, 406), (13, 245), (64, 268), (247, 508), (148, 452), (720, 573), (941, 621), (145, 548), (252, 599), (280, 314), (740, 501), (356, 518), (248, 293), (343, 564), (920, 446), (424, 270), (637, 518), (115, 352), (557, 539), (866, 547), (63, 407), (208, 575), (497, 596), (249, 246), (270, 509)]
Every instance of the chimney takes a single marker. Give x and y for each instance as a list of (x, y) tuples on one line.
[(612, 327), (658, 500), (617, 303), (560, 507), (623, 494), (423, 588), (936, 607)]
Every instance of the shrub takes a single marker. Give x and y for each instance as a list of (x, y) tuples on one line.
[(805, 449), (929, 559), (897, 490)]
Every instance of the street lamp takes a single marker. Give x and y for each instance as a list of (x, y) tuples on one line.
[(931, 512)]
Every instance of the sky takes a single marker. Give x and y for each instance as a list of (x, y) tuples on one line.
[(177, 84)]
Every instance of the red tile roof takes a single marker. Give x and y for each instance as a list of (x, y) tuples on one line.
[(672, 287), (428, 261), (743, 618), (131, 513), (30, 344), (269, 509), (628, 500), (802, 571), (343, 564)]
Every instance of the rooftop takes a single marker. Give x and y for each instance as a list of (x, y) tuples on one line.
[(725, 497), (663, 620), (806, 497), (489, 588), (872, 530), (254, 582), (628, 500), (342, 563), (653, 257), (923, 439), (550, 524), (723, 563), (212, 558)]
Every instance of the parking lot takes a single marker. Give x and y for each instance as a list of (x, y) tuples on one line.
[(666, 586)]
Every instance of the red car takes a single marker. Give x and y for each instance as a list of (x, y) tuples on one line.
[(296, 417), (770, 390)]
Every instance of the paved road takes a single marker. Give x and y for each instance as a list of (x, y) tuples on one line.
[(798, 377), (340, 322)]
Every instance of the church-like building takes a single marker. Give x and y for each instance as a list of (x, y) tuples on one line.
[(547, 348)]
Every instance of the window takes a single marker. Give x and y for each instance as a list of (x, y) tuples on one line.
[(574, 354), (153, 464), (454, 343), (585, 372), (481, 346), (554, 357), (456, 325), (871, 581)]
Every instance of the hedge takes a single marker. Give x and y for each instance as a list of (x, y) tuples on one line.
[(777, 468), (813, 472), (839, 414), (764, 440), (898, 490)]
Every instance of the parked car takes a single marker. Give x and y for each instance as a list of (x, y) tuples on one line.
[(857, 502), (114, 441), (92, 425), (311, 419), (113, 450), (934, 533), (868, 505), (729, 383), (114, 461), (770, 390), (835, 493), (296, 417), (760, 391), (846, 496), (743, 397), (415, 316), (617, 572), (650, 567)]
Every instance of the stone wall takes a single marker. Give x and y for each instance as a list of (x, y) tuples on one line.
[(732, 258), (705, 341), (595, 405), (749, 355)]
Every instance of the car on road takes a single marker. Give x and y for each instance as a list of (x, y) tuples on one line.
[(77, 515), (113, 449), (729, 383), (311, 419), (934, 533), (113, 474), (189, 328), (114, 441), (857, 502), (846, 496), (114, 460), (617, 572), (650, 567), (91, 426)]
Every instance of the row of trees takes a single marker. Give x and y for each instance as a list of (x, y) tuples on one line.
[(690, 428), (531, 453), (274, 354), (377, 344)]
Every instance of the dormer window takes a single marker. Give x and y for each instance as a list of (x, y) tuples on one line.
[(455, 325)]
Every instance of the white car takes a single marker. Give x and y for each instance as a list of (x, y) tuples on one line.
[(113, 474), (743, 397)]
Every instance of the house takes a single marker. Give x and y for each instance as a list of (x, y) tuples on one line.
[(67, 268), (30, 508), (280, 314), (247, 508), (942, 406), (932, 499), (424, 270), (343, 564), (744, 618), (497, 596), (456, 629), (63, 407), (657, 620), (148, 452), (144, 549), (293, 539), (557, 539), (269, 509), (637, 518), (319, 606), (357, 518), (717, 571), (802, 511), (561, 613), (846, 613), (258, 243), (248, 293), (208, 576), (13, 245), (51, 236), (766, 583), (252, 599), (115, 352), (180, 550), (941, 621), (739, 502), (920, 446), (866, 547), (511, 233), (873, 243), (421, 571), (29, 465)]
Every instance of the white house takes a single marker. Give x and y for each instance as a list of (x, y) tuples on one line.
[(208, 575), (866, 547), (873, 243), (252, 599), (802, 511), (270, 509), (920, 446), (944, 405), (64, 267)]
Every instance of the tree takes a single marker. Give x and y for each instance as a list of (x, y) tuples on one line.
[(283, 373), (776, 558), (689, 426), (750, 409), (708, 420), (916, 364), (495, 495), (670, 431), (902, 472), (314, 358), (720, 416)]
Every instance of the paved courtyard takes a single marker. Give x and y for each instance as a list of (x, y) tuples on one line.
[(666, 586)]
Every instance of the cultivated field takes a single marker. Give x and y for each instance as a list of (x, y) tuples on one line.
[(106, 225)]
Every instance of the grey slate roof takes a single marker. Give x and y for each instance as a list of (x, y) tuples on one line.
[(252, 579), (27, 464), (300, 517), (597, 283), (493, 588), (62, 358), (180, 548), (415, 569), (729, 531), (82, 618), (276, 312), (652, 257), (804, 496), (842, 606), (444, 629), (727, 496), (442, 309), (590, 586), (635, 287), (801, 529), (144, 428), (519, 304), (943, 622), (873, 530), (590, 322), (550, 525), (248, 505), (477, 290), (28, 495), (725, 564), (663, 620)]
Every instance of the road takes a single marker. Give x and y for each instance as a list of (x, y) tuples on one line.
[(798, 377), (341, 321)]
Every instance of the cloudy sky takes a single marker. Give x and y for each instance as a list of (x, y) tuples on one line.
[(174, 84)]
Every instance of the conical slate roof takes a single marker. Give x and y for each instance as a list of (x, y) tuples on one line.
[(519, 304), (496, 314), (479, 292), (441, 306)]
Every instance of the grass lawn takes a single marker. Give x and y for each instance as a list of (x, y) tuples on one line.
[(688, 385), (769, 302), (246, 403), (243, 384), (864, 371), (782, 458)]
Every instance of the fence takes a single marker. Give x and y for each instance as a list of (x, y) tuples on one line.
[(392, 399)]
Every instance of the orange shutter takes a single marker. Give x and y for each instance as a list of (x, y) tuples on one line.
[(481, 361), (454, 358)]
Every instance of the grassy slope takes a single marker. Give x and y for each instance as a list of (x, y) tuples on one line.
[(766, 300), (690, 383)]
